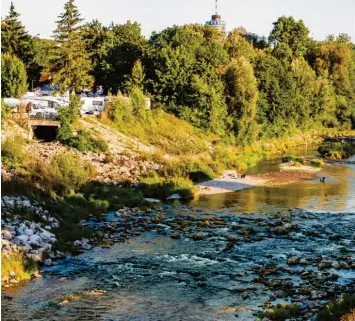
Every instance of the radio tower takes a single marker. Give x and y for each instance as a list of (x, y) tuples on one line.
[(216, 21)]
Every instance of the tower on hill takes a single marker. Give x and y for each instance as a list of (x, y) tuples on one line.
[(216, 21)]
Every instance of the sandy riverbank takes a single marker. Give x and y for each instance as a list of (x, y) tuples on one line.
[(230, 181)]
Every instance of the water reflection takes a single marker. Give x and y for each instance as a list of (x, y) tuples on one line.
[(336, 194)]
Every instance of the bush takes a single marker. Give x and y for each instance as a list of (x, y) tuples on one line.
[(281, 312), (67, 116), (5, 111), (117, 197), (298, 164), (333, 311), (288, 158), (13, 151), (300, 160), (18, 263), (337, 151), (317, 162), (159, 187), (63, 176), (84, 142)]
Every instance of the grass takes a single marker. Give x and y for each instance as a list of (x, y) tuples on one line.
[(338, 310), (18, 263)]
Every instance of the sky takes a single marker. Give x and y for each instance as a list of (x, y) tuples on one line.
[(322, 17)]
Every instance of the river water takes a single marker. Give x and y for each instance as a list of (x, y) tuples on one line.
[(221, 257)]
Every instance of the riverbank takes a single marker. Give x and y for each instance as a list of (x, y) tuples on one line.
[(231, 181)]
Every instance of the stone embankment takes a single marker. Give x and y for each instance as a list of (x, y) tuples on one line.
[(111, 167), (33, 239)]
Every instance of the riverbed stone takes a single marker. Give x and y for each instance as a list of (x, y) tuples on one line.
[(293, 260), (21, 239)]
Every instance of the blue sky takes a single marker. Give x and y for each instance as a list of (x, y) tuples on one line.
[(323, 17)]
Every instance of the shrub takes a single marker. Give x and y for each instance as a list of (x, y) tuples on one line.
[(280, 312), (159, 187), (13, 151), (67, 116), (117, 197), (298, 164), (5, 111), (317, 162), (337, 150), (300, 160), (84, 142), (349, 317), (18, 263), (288, 158), (64, 175), (334, 310)]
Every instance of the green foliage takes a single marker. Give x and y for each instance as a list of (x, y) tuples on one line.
[(242, 96), (289, 38), (136, 79), (317, 162), (281, 312), (111, 196), (138, 102), (159, 187), (13, 76), (334, 310), (18, 263), (337, 151), (84, 142), (71, 65), (5, 111), (64, 175), (16, 41), (68, 115), (114, 51), (13, 151)]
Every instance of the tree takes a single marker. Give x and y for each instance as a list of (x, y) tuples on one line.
[(289, 38), (13, 76), (72, 64), (238, 45), (136, 80), (242, 97), (15, 40), (138, 102)]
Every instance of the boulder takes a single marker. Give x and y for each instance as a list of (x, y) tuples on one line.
[(28, 232), (293, 260), (6, 235), (35, 240), (46, 236), (21, 239)]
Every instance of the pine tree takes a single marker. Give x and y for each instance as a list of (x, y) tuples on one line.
[(14, 37), (136, 80), (15, 40), (13, 76), (71, 67)]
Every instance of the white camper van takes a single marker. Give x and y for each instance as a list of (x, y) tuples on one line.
[(90, 105)]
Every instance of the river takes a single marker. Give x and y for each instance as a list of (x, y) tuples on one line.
[(221, 257)]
